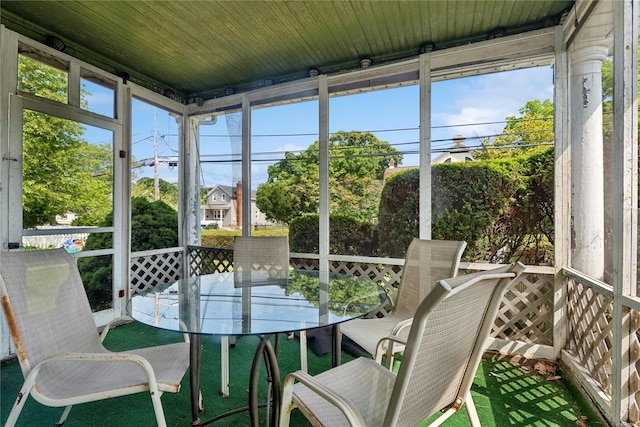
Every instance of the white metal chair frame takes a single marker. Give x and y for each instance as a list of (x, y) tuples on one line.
[(251, 254), (439, 364), (426, 262), (63, 361)]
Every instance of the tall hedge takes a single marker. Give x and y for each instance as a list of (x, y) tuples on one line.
[(467, 200), (347, 235)]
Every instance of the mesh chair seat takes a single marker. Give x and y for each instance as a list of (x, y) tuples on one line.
[(348, 381), (426, 262), (68, 379)]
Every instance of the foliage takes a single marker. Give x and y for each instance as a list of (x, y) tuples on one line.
[(217, 240), (61, 171), (145, 188), (347, 235), (502, 208), (153, 225), (466, 200), (356, 169), (399, 212), (346, 293), (531, 212), (529, 132), (221, 238)]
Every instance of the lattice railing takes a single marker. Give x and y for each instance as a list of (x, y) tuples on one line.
[(151, 268), (634, 374), (590, 332), (208, 260), (386, 274), (526, 312)]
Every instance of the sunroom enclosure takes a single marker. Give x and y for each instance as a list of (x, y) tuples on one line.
[(572, 312)]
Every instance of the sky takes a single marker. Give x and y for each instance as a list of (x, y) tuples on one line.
[(474, 107)]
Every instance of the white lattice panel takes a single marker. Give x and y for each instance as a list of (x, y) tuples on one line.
[(526, 312), (634, 368), (385, 275), (590, 332), (150, 270)]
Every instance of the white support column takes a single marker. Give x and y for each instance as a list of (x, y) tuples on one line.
[(625, 203), (425, 146), (587, 178), (8, 88), (8, 82), (562, 192), (323, 139), (246, 166), (189, 209), (122, 200)]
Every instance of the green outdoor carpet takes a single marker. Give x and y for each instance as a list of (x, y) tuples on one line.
[(505, 394)]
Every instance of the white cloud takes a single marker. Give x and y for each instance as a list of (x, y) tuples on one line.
[(487, 98)]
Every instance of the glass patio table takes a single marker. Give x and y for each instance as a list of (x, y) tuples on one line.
[(216, 304)]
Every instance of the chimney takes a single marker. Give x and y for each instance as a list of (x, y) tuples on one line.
[(458, 141), (239, 203)]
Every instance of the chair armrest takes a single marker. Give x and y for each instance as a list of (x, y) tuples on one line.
[(401, 326), (345, 406), (107, 327), (388, 353)]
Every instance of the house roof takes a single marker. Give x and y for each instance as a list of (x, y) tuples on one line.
[(230, 190), (206, 49)]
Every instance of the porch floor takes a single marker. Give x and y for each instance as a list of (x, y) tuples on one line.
[(505, 394)]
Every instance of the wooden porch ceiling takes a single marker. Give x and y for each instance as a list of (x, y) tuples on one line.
[(201, 48)]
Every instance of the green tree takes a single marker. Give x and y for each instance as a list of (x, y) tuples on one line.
[(527, 133), (61, 171), (356, 169), (153, 225), (145, 188)]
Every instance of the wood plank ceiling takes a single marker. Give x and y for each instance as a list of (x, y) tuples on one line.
[(201, 48)]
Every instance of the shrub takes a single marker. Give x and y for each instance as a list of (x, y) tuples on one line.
[(347, 235), (467, 198), (153, 225)]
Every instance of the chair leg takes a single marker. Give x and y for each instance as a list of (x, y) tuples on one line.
[(303, 351), (157, 406), (20, 400), (471, 411), (287, 405), (64, 416), (224, 366)]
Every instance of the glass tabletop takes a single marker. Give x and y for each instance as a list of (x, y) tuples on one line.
[(219, 305)]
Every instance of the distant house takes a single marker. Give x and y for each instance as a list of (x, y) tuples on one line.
[(223, 206), (457, 153)]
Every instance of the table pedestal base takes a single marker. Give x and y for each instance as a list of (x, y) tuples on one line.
[(264, 350)]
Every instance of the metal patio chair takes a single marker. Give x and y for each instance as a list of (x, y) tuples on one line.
[(59, 350), (256, 260), (443, 350), (426, 262)]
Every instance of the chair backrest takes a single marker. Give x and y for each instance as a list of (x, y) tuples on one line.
[(258, 259), (46, 306), (426, 262), (446, 342)]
